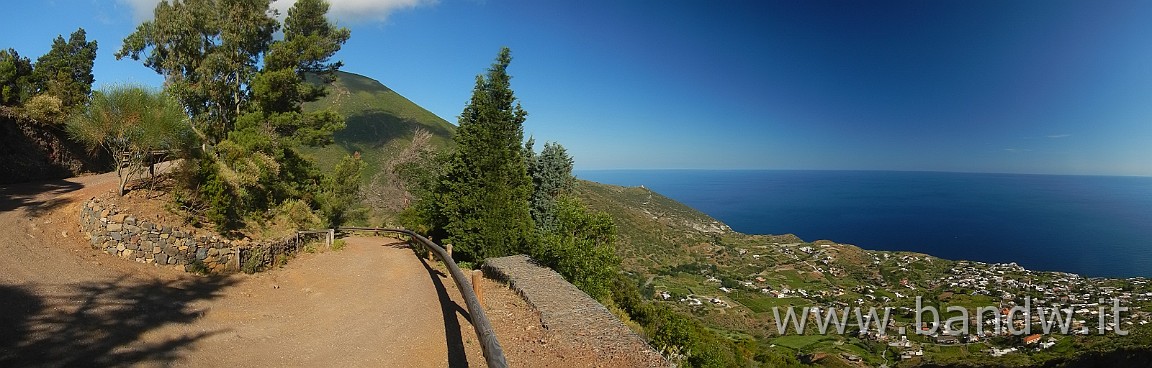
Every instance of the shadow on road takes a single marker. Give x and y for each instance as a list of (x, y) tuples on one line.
[(25, 196), (100, 323), (448, 308)]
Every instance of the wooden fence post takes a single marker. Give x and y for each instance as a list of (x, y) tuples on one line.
[(331, 237), (477, 276), (448, 248), (235, 262)]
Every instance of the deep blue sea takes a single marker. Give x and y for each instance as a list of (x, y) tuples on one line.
[(1091, 225)]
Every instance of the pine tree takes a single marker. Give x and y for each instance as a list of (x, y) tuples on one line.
[(551, 173), (482, 200), (66, 70), (15, 78)]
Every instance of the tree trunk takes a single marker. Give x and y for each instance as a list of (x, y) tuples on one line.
[(122, 176)]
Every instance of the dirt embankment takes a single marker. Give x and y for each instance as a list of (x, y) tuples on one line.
[(30, 152)]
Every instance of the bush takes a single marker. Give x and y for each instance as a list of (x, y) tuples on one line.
[(340, 199), (581, 247), (300, 214), (415, 218), (253, 261), (45, 109), (197, 267), (215, 196), (466, 265)]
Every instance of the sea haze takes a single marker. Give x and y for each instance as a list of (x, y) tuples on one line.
[(1091, 225)]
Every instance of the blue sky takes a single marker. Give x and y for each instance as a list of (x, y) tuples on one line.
[(1049, 86)]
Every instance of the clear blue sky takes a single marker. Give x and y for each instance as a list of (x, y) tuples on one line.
[(1043, 86)]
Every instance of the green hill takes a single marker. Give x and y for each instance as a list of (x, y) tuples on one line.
[(653, 230), (380, 121)]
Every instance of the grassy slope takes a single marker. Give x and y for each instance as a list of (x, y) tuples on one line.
[(654, 230), (380, 121)]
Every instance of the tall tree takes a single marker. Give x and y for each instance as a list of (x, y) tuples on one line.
[(66, 70), (244, 90), (208, 51), (15, 78), (482, 204), (551, 173)]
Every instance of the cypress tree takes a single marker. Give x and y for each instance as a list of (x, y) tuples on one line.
[(483, 196)]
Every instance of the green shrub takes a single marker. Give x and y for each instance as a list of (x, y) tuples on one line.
[(220, 205), (340, 199), (466, 266), (581, 247), (253, 261), (300, 214), (197, 267)]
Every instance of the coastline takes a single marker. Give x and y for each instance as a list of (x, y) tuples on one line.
[(1089, 225)]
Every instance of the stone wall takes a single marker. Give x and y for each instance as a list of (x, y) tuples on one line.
[(117, 232), (569, 311)]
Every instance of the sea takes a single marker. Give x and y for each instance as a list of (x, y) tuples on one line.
[(1096, 226)]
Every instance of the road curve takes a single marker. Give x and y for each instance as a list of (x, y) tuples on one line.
[(63, 304)]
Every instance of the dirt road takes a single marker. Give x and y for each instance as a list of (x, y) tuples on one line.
[(63, 304)]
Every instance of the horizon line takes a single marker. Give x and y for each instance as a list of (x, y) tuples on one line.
[(868, 170)]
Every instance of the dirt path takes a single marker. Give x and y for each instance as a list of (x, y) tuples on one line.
[(372, 304), (61, 303)]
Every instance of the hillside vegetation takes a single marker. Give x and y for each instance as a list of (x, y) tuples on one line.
[(379, 121), (655, 230)]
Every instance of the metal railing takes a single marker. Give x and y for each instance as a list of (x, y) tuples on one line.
[(493, 353)]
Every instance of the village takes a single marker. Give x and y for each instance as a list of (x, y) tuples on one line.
[(1006, 308)]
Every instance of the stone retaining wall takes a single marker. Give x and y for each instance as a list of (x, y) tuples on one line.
[(119, 233), (568, 310)]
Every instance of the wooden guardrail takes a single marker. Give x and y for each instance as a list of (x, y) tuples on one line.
[(493, 353)]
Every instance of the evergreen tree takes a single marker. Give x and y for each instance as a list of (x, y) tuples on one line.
[(208, 53), (15, 78), (66, 70), (482, 199), (551, 173), (341, 196)]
